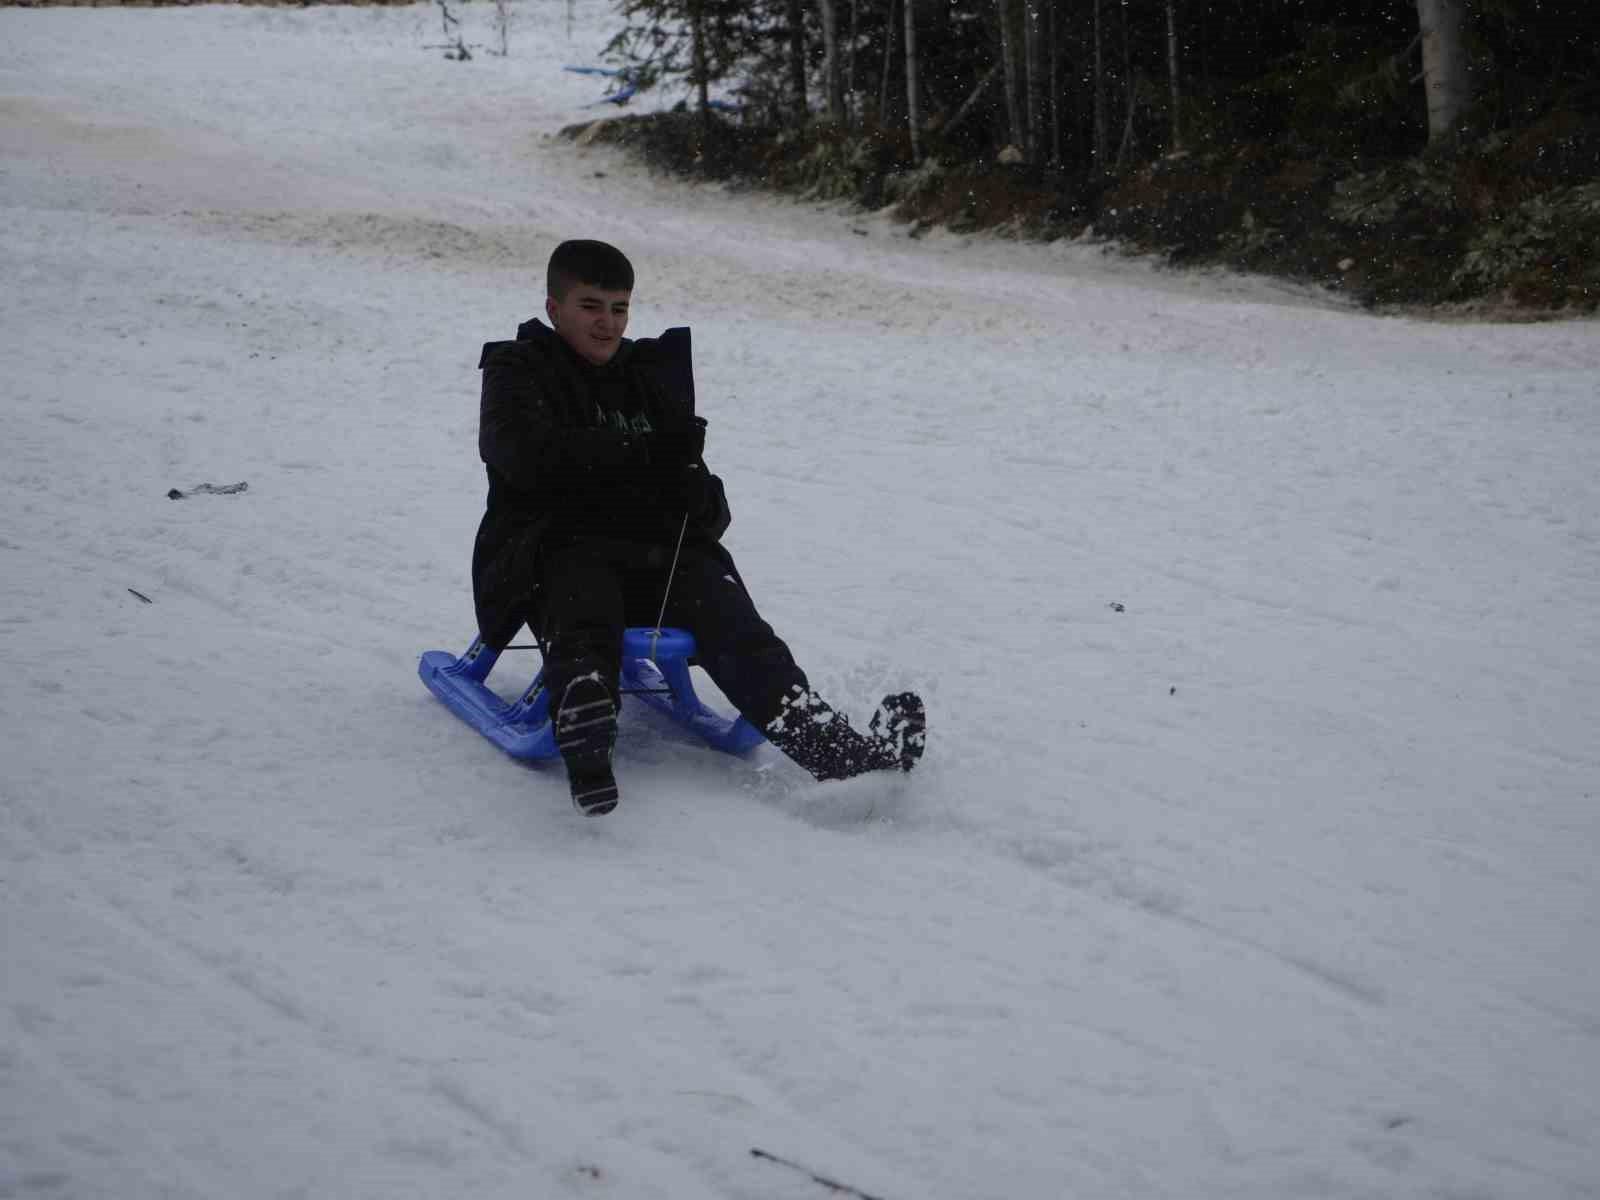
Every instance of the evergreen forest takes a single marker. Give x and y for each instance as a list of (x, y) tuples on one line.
[(1441, 153)]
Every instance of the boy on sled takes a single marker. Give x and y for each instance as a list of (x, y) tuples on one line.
[(601, 514)]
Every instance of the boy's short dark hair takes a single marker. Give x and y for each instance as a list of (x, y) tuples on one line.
[(597, 264)]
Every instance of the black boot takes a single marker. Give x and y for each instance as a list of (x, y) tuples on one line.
[(822, 741), (586, 732)]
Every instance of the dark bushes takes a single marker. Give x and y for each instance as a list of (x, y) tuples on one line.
[(1510, 219)]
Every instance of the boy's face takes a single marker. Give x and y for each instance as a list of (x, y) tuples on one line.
[(591, 320)]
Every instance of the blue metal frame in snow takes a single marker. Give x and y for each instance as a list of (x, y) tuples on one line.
[(655, 668)]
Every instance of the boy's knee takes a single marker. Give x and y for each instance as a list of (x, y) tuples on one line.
[(759, 656), (755, 675), (578, 652)]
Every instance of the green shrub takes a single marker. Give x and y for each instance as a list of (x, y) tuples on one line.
[(1549, 242)]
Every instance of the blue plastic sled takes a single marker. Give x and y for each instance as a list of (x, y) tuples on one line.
[(655, 668), (619, 97)]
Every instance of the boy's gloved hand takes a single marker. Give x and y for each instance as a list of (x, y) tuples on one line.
[(687, 490), (678, 446)]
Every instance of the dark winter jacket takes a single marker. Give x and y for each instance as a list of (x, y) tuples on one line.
[(567, 446)]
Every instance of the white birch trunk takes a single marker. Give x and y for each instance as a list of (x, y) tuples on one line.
[(1444, 66)]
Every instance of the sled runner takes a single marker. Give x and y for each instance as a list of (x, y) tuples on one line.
[(655, 668)]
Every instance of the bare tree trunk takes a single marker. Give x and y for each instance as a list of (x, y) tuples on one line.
[(852, 104), (1102, 126), (1128, 83), (1055, 82), (1444, 66), (1018, 134), (971, 102), (884, 91), (1172, 75), (702, 71), (913, 100), (797, 61), (833, 64), (1033, 47)]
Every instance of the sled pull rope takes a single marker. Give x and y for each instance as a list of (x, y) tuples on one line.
[(671, 571)]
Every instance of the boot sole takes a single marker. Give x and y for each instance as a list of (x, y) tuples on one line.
[(586, 733), (906, 727)]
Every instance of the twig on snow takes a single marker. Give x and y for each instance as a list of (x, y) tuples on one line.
[(833, 1185), (209, 489)]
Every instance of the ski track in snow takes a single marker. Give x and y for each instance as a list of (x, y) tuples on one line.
[(1253, 855)]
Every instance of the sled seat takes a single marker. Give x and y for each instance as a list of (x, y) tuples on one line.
[(655, 669)]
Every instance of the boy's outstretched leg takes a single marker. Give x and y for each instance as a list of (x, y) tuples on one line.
[(823, 741), (757, 672)]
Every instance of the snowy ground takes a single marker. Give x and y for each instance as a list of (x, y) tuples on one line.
[(1254, 853)]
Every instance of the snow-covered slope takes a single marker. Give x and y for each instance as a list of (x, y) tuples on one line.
[(1253, 855)]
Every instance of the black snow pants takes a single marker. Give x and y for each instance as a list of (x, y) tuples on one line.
[(594, 589)]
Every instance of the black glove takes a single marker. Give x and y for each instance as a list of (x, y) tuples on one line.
[(687, 490), (678, 446)]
